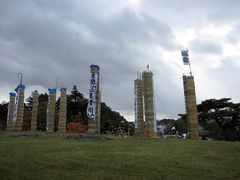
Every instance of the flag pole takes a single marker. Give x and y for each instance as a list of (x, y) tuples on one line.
[(190, 65), (190, 68), (21, 77)]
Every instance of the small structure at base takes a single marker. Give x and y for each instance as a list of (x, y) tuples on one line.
[(51, 110), (10, 111), (34, 110), (191, 107), (62, 111)]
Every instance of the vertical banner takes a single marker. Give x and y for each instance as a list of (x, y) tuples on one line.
[(9, 120), (92, 104), (48, 106), (15, 108), (155, 110), (185, 57), (136, 105)]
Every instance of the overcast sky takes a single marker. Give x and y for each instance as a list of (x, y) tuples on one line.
[(49, 39)]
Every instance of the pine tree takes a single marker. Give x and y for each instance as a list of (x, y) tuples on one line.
[(76, 105)]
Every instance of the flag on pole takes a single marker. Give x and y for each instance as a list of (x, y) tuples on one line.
[(185, 57), (147, 66)]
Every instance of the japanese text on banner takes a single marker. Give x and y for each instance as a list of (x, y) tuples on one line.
[(91, 109)]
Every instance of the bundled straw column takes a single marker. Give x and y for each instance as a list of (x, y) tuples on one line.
[(191, 107), (63, 110), (51, 109), (34, 111), (20, 106), (10, 111), (147, 85)]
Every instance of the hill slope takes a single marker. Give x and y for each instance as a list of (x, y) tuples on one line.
[(133, 158)]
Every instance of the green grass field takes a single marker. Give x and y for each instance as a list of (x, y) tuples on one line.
[(55, 157)]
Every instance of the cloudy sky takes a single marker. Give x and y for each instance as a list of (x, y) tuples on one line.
[(49, 39)]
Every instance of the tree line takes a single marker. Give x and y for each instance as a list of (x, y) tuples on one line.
[(76, 112), (218, 119)]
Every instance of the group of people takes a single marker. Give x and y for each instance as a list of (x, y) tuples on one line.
[(174, 133)]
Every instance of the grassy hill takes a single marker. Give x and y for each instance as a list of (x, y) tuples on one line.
[(55, 157)]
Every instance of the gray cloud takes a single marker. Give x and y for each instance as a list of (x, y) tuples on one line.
[(47, 39), (206, 46), (191, 12), (226, 74), (234, 35), (44, 42)]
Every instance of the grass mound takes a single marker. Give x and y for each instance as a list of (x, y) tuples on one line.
[(56, 157)]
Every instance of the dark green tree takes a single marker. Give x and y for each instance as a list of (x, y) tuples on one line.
[(181, 123), (76, 104), (112, 120), (42, 110), (166, 125), (221, 118), (3, 115)]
